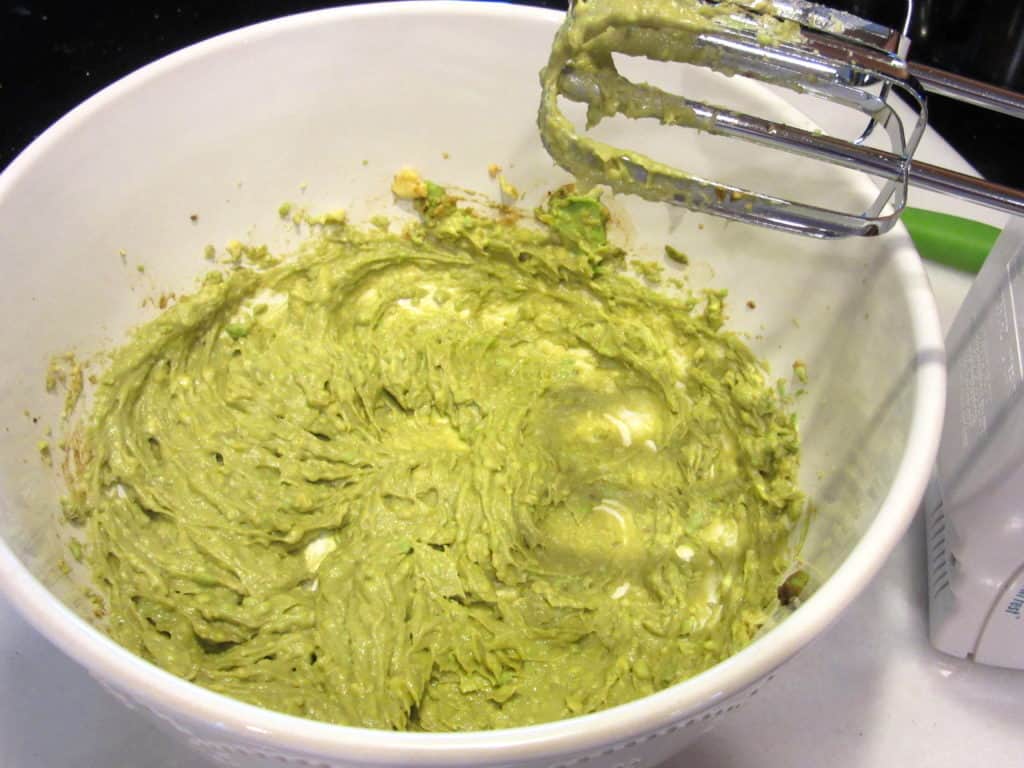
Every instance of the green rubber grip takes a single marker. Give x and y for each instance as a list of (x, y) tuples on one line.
[(950, 240)]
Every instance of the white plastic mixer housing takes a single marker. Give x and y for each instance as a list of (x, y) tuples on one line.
[(975, 505)]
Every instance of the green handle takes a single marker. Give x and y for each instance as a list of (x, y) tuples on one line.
[(950, 240)]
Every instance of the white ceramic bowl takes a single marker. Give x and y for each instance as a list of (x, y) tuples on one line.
[(335, 101)]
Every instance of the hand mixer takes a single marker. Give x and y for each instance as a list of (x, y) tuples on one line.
[(800, 45)]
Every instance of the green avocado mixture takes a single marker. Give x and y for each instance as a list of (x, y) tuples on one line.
[(465, 477)]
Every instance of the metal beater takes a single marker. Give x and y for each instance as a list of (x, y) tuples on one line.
[(803, 46)]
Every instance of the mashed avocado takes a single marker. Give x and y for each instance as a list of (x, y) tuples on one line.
[(471, 476)]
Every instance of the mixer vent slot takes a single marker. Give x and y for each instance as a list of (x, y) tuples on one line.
[(938, 551)]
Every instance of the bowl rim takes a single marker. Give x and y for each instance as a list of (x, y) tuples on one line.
[(109, 662)]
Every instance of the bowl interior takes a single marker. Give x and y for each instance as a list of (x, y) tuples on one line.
[(321, 110)]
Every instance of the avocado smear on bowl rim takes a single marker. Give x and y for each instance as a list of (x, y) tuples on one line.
[(465, 477)]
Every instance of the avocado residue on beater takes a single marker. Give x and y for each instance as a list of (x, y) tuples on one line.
[(472, 476), (581, 66)]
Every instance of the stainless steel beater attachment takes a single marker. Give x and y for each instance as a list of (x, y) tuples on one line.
[(800, 45)]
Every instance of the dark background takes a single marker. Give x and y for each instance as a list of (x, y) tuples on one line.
[(54, 55)]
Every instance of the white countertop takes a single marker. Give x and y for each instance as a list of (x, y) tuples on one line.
[(870, 692)]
